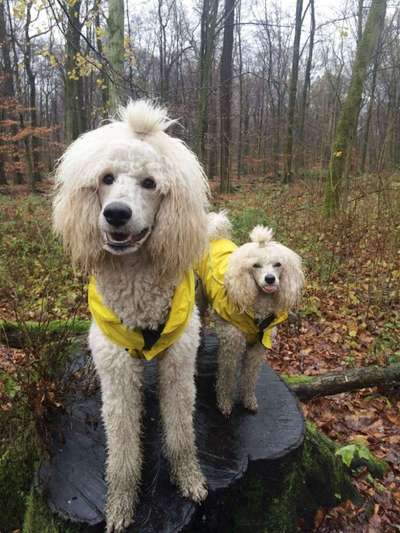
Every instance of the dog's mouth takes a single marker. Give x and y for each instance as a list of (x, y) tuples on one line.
[(122, 241), (270, 289)]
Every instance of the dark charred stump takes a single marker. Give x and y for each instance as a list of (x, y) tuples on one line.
[(247, 459)]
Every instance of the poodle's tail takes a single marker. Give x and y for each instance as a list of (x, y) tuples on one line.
[(144, 117), (218, 225), (261, 235)]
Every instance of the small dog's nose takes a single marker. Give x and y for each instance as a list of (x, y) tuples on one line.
[(117, 214), (270, 279)]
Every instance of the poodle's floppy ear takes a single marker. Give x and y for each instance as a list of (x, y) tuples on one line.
[(179, 237), (292, 280), (261, 235), (239, 282), (75, 214)]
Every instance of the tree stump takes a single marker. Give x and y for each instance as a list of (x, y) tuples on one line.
[(262, 473)]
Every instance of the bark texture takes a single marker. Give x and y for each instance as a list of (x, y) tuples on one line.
[(306, 387), (349, 115), (115, 52)]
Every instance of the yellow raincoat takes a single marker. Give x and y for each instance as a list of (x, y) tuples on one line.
[(211, 270), (133, 340)]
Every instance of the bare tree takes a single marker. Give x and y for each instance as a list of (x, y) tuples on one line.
[(226, 72), (115, 51), (351, 107), (293, 92), (74, 116), (207, 52), (307, 83)]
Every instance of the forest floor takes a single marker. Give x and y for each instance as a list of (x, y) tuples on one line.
[(349, 316)]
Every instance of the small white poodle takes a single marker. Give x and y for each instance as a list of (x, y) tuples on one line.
[(250, 289), (130, 206)]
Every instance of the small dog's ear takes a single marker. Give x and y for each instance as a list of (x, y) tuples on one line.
[(261, 235), (179, 237), (239, 282), (291, 281)]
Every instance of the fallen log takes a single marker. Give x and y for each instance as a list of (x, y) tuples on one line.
[(307, 387)]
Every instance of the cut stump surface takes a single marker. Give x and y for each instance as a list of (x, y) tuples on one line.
[(73, 478)]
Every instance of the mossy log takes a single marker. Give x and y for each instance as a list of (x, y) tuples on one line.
[(266, 472), (306, 387)]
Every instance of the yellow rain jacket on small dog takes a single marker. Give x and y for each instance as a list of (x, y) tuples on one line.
[(211, 270), (134, 340)]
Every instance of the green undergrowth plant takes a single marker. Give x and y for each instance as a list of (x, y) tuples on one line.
[(42, 304), (245, 221)]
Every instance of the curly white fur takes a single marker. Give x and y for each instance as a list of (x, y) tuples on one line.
[(247, 287), (138, 286)]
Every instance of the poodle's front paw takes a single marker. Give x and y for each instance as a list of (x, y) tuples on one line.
[(194, 487), (119, 512), (225, 405), (225, 408), (250, 403)]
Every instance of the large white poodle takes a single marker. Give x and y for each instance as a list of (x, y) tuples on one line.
[(130, 206), (250, 289)]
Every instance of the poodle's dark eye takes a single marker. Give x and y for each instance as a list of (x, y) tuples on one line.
[(148, 183), (277, 265), (256, 265), (108, 179)]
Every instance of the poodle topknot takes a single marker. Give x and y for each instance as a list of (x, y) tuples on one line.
[(145, 118), (261, 235)]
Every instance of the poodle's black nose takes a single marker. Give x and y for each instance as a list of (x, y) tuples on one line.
[(270, 279), (117, 214)]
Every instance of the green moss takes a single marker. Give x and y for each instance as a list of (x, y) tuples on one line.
[(295, 380), (38, 518), (16, 472), (276, 498)]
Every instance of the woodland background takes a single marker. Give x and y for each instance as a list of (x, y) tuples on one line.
[(259, 89), (294, 111)]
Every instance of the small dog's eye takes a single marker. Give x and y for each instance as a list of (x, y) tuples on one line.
[(108, 179), (277, 265), (256, 265), (148, 183)]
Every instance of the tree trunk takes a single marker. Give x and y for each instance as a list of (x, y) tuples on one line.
[(212, 159), (7, 89), (293, 92), (307, 84), (74, 122), (100, 49), (351, 107), (115, 52), (364, 147), (207, 51), (162, 49), (306, 387), (226, 96), (33, 146), (241, 96)]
